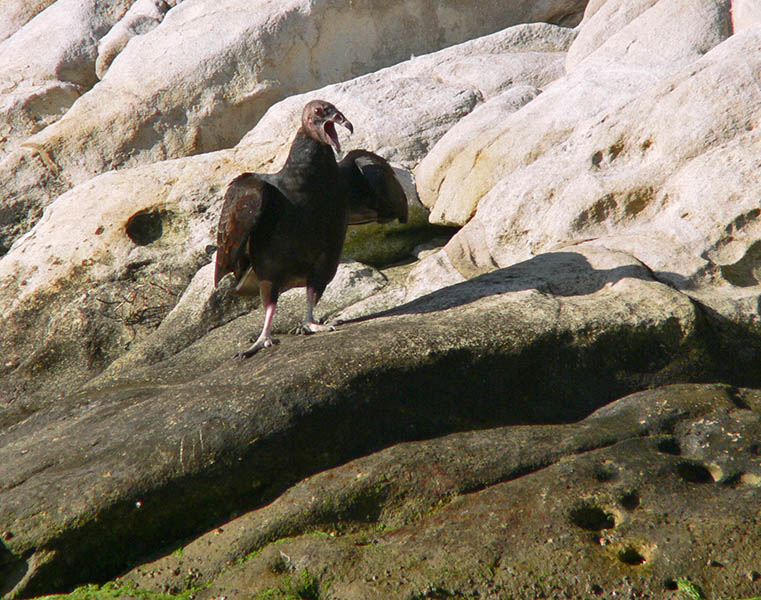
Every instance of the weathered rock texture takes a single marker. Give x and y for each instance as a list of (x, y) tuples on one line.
[(48, 64), (602, 183), (621, 500), (142, 17), (626, 68)]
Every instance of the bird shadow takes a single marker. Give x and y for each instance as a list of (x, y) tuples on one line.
[(559, 274)]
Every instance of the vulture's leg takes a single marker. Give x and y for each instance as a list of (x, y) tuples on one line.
[(309, 325), (269, 302)]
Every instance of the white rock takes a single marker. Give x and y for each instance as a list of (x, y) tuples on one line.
[(662, 37), (142, 16), (745, 13), (450, 81), (17, 13), (82, 237), (669, 177), (602, 20), (591, 9), (454, 154), (517, 146), (49, 63), (205, 75), (433, 273), (353, 282)]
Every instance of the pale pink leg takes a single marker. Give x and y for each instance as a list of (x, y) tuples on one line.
[(309, 325), (265, 340)]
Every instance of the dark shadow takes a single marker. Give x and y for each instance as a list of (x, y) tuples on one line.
[(735, 349), (146, 226), (554, 273), (743, 273), (12, 570)]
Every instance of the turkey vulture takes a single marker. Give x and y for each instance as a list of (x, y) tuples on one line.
[(287, 229)]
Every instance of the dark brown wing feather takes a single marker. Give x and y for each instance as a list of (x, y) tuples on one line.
[(375, 193), (245, 199)]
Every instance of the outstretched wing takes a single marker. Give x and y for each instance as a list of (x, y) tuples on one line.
[(375, 193), (245, 199)]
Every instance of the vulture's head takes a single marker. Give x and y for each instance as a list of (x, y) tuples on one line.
[(319, 120)]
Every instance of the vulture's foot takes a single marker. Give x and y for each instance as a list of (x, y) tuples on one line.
[(310, 327), (262, 342)]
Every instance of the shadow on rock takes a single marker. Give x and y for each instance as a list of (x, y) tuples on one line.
[(12, 570), (561, 274)]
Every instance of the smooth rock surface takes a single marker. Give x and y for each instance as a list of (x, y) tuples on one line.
[(601, 21), (456, 152), (745, 13), (17, 13), (142, 17)]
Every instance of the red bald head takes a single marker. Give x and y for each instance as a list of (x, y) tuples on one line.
[(319, 120)]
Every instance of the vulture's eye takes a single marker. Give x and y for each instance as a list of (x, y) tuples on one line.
[(317, 110)]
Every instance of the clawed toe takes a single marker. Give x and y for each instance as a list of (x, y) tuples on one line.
[(308, 328), (258, 345)]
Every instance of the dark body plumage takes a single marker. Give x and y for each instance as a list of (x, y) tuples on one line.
[(289, 226), (287, 229)]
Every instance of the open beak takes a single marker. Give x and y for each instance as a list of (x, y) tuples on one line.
[(329, 129)]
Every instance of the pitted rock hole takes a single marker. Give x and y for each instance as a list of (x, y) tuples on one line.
[(630, 500), (592, 518), (669, 446), (694, 473), (615, 150), (733, 481), (605, 474), (145, 227), (631, 556)]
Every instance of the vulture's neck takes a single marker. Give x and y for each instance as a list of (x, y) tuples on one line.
[(309, 164)]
